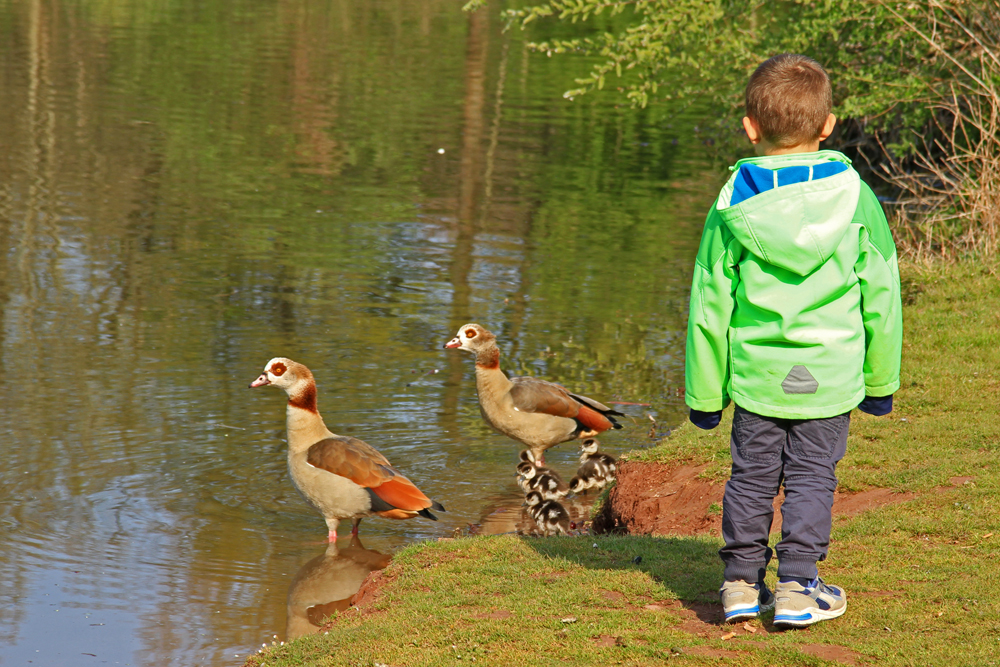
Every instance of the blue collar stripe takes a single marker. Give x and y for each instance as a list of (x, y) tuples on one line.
[(753, 180)]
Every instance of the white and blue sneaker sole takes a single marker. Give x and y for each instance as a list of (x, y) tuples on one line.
[(745, 613), (808, 616), (748, 611)]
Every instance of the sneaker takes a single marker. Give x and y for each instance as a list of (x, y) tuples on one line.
[(798, 606), (741, 600)]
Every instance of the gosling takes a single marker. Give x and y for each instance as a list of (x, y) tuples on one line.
[(548, 486), (596, 469), (549, 515)]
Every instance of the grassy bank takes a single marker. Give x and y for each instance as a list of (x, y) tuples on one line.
[(918, 574)]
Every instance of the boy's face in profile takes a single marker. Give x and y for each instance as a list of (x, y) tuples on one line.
[(764, 147)]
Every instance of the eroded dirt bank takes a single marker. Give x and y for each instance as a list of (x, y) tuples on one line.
[(659, 499)]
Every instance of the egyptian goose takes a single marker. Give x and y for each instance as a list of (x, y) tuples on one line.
[(551, 487), (537, 413), (550, 517), (596, 468), (342, 477)]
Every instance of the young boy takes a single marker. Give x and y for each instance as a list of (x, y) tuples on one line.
[(796, 317)]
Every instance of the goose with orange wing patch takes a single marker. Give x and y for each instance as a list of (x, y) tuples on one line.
[(537, 413), (341, 476)]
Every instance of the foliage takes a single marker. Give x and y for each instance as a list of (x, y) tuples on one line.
[(950, 190), (661, 46), (914, 84), (688, 49)]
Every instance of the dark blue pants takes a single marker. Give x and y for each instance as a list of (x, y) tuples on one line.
[(802, 453)]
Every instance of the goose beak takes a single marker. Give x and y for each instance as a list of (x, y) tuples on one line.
[(454, 342), (261, 381)]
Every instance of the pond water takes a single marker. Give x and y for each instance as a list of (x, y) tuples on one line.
[(191, 187)]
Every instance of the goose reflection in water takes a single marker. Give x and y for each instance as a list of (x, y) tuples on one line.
[(327, 584)]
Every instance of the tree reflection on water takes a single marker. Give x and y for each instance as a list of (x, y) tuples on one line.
[(188, 189)]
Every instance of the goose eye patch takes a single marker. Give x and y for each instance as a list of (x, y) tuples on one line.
[(470, 333), (278, 369)]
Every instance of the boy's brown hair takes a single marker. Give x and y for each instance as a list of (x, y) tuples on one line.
[(789, 98)]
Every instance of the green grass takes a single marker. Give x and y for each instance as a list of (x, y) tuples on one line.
[(919, 574)]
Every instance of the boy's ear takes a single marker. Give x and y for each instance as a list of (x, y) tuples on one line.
[(753, 132), (827, 130)]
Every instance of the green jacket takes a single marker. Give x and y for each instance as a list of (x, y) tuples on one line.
[(795, 304)]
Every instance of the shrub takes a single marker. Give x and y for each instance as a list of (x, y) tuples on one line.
[(915, 83)]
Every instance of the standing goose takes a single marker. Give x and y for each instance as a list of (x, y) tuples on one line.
[(537, 413), (342, 477)]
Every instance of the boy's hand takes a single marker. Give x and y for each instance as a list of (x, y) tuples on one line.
[(878, 406), (705, 420)]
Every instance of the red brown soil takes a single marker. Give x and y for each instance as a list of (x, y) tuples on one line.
[(614, 596), (658, 499), (606, 640), (709, 652), (366, 597), (832, 653), (371, 589)]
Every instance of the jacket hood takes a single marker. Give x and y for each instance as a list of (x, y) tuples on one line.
[(791, 211)]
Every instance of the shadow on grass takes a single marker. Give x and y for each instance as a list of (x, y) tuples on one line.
[(688, 567)]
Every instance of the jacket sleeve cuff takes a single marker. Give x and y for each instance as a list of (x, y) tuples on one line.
[(876, 405), (705, 420)]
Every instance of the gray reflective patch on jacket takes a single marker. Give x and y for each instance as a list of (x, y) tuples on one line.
[(799, 381)]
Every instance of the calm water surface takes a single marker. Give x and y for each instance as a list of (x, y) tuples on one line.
[(191, 187)]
